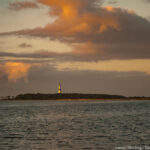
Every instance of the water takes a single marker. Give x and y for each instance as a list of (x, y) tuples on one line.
[(74, 125)]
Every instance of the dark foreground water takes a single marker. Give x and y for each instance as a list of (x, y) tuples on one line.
[(74, 125)]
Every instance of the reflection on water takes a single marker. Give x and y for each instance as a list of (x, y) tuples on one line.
[(67, 125)]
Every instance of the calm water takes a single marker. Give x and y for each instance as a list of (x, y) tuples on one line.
[(74, 125)]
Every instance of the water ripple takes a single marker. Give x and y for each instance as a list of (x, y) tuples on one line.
[(63, 125)]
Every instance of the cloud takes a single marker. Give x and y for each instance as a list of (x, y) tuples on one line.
[(112, 2), (45, 80), (15, 70), (111, 65), (22, 5), (25, 45), (95, 32), (147, 1), (36, 54), (72, 62), (74, 17)]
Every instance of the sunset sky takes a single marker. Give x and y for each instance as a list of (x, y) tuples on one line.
[(90, 46)]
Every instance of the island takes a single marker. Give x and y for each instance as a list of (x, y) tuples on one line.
[(72, 96)]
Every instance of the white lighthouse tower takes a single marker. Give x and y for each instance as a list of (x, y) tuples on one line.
[(59, 88)]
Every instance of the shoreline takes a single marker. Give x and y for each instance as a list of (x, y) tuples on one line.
[(75, 99), (71, 97)]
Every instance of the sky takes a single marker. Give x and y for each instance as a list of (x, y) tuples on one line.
[(90, 46)]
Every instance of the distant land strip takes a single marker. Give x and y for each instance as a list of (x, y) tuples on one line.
[(72, 96)]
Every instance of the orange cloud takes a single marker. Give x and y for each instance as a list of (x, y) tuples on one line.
[(107, 32), (76, 16), (110, 8), (15, 70), (64, 8)]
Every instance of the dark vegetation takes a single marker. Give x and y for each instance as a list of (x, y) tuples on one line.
[(66, 96), (71, 96)]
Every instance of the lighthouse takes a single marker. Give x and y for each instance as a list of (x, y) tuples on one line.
[(59, 88)]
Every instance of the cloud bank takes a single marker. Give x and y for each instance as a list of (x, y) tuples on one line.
[(95, 32)]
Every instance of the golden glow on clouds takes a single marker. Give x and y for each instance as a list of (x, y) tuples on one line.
[(68, 12), (138, 65), (15, 70), (67, 8), (141, 7), (71, 21), (109, 8)]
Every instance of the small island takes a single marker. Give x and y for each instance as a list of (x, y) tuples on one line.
[(72, 96)]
